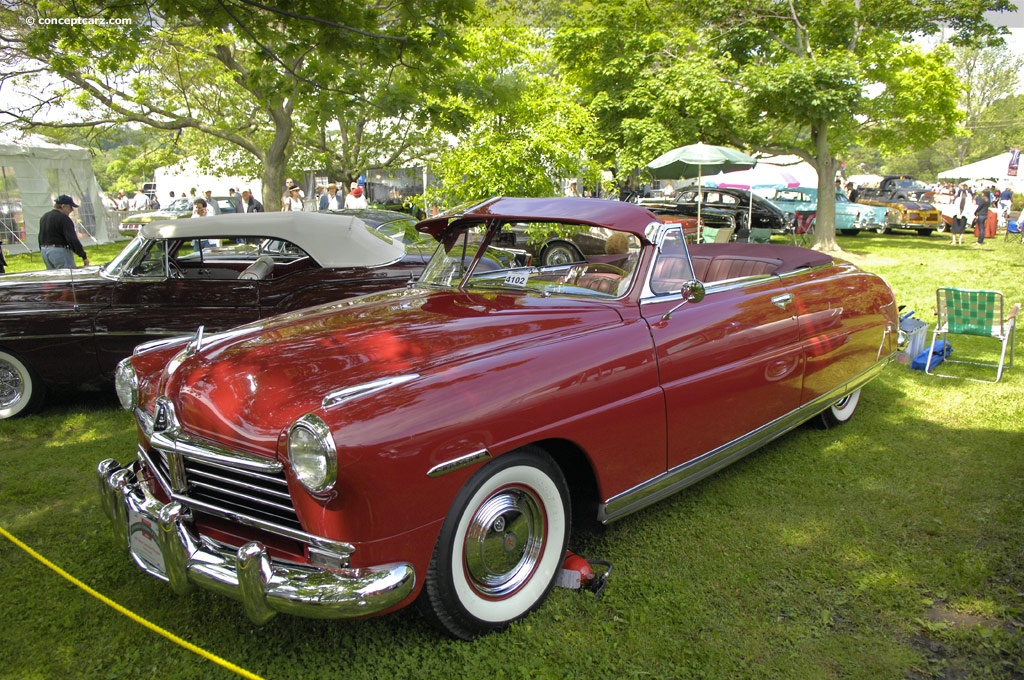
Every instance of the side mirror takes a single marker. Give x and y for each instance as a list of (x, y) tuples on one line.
[(692, 291)]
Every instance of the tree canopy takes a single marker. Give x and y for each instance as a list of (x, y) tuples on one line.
[(277, 81), (809, 79), (501, 98)]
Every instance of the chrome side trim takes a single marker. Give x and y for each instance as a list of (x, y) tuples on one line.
[(458, 463), (340, 396), (692, 471)]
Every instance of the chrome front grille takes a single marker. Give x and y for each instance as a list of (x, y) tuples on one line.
[(257, 495), (224, 489)]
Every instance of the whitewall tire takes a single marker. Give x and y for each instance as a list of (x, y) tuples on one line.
[(501, 546), (839, 412)]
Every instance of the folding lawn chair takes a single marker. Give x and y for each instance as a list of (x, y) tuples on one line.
[(978, 313), (716, 235), (760, 235), (1013, 227)]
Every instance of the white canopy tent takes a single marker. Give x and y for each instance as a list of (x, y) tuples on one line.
[(991, 170), (33, 172)]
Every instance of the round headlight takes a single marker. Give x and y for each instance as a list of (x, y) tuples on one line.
[(312, 453), (127, 385)]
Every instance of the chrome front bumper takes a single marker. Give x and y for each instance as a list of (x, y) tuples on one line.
[(163, 542)]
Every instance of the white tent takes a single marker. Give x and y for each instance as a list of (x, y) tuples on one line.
[(992, 170), (33, 172)]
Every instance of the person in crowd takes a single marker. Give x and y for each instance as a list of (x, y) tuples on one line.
[(572, 190), (122, 200), (851, 192), (332, 200), (58, 242), (291, 202), (211, 203), (200, 208), (962, 202), (140, 201), (355, 198), (3, 262), (249, 203), (289, 184), (981, 206), (1005, 203)]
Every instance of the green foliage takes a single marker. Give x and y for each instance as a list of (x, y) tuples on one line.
[(886, 548), (245, 81), (521, 132), (811, 80)]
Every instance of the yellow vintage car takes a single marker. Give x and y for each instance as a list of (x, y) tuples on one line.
[(903, 210)]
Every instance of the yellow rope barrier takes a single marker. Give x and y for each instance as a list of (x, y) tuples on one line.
[(132, 615)]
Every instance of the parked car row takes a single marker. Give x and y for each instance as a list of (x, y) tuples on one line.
[(179, 208), (67, 329), (432, 428), (794, 211)]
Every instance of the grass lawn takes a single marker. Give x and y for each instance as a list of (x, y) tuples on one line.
[(891, 547)]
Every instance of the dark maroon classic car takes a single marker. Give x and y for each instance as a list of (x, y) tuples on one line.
[(67, 329), (434, 443)]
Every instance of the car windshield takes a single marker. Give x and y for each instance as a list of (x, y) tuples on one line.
[(792, 195), (179, 204), (558, 259)]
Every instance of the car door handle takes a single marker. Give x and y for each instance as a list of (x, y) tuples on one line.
[(782, 301)]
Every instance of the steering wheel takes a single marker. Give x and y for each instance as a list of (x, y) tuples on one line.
[(174, 269)]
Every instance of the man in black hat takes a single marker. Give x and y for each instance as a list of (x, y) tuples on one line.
[(58, 242)]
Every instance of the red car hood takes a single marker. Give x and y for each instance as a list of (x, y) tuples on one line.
[(243, 388)]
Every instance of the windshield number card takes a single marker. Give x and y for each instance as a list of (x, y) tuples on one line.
[(517, 278)]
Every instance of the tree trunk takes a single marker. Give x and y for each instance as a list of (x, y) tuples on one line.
[(275, 159), (825, 221)]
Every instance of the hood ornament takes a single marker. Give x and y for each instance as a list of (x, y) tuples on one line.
[(196, 344)]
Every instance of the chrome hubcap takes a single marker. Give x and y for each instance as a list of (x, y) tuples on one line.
[(504, 542), (559, 256), (12, 387)]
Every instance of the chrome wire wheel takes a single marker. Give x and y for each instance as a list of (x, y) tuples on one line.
[(20, 391), (12, 385), (559, 253)]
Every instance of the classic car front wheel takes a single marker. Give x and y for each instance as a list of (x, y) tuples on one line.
[(839, 412), (501, 546), (20, 389), (558, 253)]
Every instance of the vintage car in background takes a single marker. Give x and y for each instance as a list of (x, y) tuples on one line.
[(179, 208), (68, 328), (737, 203), (905, 203), (800, 205), (436, 442)]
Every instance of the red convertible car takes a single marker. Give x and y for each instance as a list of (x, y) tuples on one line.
[(434, 443), (67, 329)]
